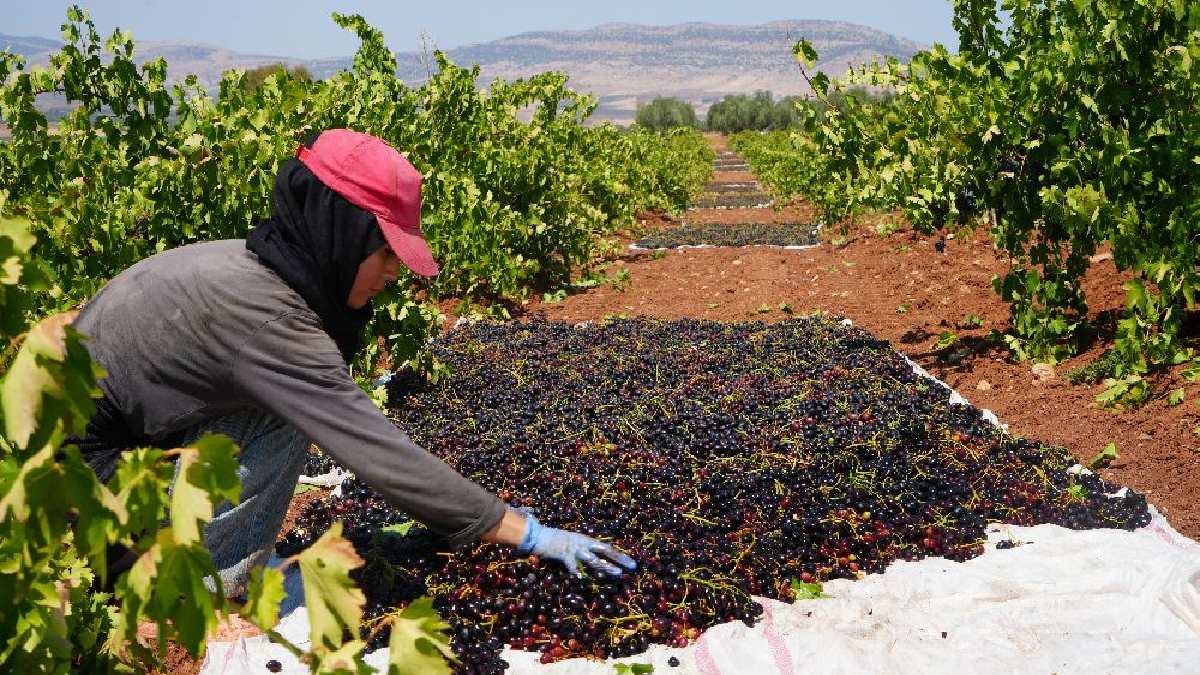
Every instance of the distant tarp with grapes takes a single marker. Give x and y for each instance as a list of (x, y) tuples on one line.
[(802, 498)]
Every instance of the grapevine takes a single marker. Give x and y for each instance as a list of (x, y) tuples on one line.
[(509, 205), (1063, 128)]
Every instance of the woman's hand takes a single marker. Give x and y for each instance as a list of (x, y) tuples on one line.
[(528, 536), (572, 548)]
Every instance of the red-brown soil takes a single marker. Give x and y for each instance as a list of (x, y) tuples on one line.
[(868, 278), (719, 141), (732, 177), (799, 213), (299, 502)]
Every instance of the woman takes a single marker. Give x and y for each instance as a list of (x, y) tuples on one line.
[(252, 339)]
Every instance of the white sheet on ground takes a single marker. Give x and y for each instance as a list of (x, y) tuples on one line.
[(1064, 602), (1097, 601), (332, 478), (797, 247)]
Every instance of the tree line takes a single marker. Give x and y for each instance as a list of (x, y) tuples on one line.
[(759, 111)]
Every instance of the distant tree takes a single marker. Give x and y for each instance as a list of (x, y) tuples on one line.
[(760, 112), (740, 112), (255, 77), (666, 113)]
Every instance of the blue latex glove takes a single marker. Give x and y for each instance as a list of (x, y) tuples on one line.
[(382, 380), (572, 548)]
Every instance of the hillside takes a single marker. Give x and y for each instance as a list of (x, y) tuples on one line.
[(699, 62), (621, 64)]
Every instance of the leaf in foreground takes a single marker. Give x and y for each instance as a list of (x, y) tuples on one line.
[(334, 602), (48, 388), (263, 598), (209, 472), (419, 643)]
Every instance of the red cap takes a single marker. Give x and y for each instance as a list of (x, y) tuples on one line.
[(370, 174)]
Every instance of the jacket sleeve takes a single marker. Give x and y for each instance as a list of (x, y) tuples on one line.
[(293, 370)]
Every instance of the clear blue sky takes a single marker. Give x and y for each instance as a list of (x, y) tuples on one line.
[(302, 28)]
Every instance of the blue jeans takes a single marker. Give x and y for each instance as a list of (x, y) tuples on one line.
[(271, 457)]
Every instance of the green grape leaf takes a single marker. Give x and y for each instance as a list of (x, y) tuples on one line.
[(263, 597), (400, 529), (153, 587), (181, 574), (47, 391), (99, 512), (15, 243), (216, 468), (633, 668), (1191, 372), (141, 482), (344, 659), (945, 340), (805, 591), (334, 602), (820, 83), (1136, 297), (419, 643), (1104, 458), (208, 471), (138, 582), (805, 54), (1176, 397)]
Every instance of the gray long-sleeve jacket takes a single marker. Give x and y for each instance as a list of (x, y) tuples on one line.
[(202, 331)]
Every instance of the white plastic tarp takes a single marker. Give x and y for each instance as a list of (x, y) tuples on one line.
[(797, 247), (789, 247), (1096, 601)]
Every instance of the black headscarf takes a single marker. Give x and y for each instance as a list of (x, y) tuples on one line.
[(315, 240)]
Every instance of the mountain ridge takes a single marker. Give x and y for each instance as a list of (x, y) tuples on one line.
[(622, 64)]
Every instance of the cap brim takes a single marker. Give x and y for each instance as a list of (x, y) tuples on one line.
[(410, 247)]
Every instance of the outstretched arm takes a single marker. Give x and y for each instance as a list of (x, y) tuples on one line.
[(293, 369)]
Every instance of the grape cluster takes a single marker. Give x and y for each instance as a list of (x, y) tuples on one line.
[(967, 206), (739, 234), (731, 460), (318, 464)]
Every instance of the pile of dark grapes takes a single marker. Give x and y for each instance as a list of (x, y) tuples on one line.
[(317, 463), (735, 234), (728, 459), (730, 200), (712, 188), (730, 161)]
